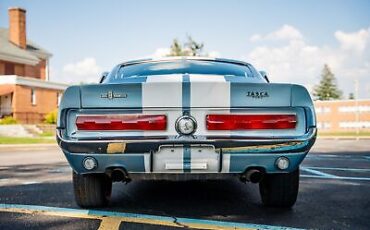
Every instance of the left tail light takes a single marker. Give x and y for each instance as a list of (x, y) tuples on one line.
[(121, 122)]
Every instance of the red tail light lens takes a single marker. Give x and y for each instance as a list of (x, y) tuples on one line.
[(250, 121), (121, 122)]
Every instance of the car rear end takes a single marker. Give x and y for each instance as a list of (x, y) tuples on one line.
[(186, 127)]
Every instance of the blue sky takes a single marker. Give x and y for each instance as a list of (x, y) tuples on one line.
[(289, 39)]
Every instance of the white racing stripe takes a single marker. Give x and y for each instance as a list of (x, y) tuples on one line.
[(226, 163), (166, 91), (209, 91), (163, 91)]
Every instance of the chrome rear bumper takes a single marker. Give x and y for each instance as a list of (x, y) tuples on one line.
[(229, 144)]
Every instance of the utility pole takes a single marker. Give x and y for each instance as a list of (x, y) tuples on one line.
[(357, 110)]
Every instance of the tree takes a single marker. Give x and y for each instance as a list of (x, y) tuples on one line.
[(194, 48), (327, 89), (189, 48), (176, 49)]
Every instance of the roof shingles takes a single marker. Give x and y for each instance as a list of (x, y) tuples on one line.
[(12, 53)]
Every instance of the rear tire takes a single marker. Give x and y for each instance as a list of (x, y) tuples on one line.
[(92, 190), (280, 190)]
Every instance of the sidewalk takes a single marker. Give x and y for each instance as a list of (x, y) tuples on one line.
[(27, 147), (345, 137)]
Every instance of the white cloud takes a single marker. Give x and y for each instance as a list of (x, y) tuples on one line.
[(356, 41), (160, 52), (214, 54), (286, 32), (84, 67), (86, 70), (297, 61), (255, 38)]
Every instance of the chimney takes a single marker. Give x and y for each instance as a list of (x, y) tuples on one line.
[(17, 26)]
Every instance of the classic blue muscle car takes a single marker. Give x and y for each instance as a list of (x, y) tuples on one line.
[(186, 118)]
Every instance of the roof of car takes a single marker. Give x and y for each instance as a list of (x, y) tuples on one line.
[(164, 59)]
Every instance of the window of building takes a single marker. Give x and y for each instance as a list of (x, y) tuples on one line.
[(322, 109), (352, 109), (9, 68), (354, 124), (327, 125), (323, 125), (33, 97)]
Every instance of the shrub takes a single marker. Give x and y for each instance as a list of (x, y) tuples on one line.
[(8, 121), (51, 117)]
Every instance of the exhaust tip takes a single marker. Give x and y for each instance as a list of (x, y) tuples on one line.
[(118, 174), (253, 175)]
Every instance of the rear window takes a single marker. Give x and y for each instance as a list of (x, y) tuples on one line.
[(182, 67)]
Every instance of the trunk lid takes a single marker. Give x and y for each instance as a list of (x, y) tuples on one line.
[(180, 92)]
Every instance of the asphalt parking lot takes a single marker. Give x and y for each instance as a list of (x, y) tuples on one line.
[(36, 193)]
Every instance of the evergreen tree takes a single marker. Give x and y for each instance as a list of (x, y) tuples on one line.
[(327, 88)]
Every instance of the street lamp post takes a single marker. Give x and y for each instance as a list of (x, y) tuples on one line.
[(357, 110)]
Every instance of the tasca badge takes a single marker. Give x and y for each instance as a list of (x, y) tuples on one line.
[(111, 95), (257, 94)]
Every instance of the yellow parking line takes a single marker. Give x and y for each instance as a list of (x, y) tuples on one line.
[(109, 223), (48, 213), (112, 220)]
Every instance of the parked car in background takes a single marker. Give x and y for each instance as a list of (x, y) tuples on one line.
[(186, 118)]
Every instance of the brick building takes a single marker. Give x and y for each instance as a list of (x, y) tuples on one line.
[(343, 115), (25, 90)]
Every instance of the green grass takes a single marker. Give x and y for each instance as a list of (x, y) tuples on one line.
[(344, 134), (26, 140), (47, 134)]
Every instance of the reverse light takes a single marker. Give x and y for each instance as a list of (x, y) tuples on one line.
[(127, 122), (282, 163), (89, 163), (250, 121)]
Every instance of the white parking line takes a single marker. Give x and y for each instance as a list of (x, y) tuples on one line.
[(338, 169), (337, 177), (321, 175), (318, 173)]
